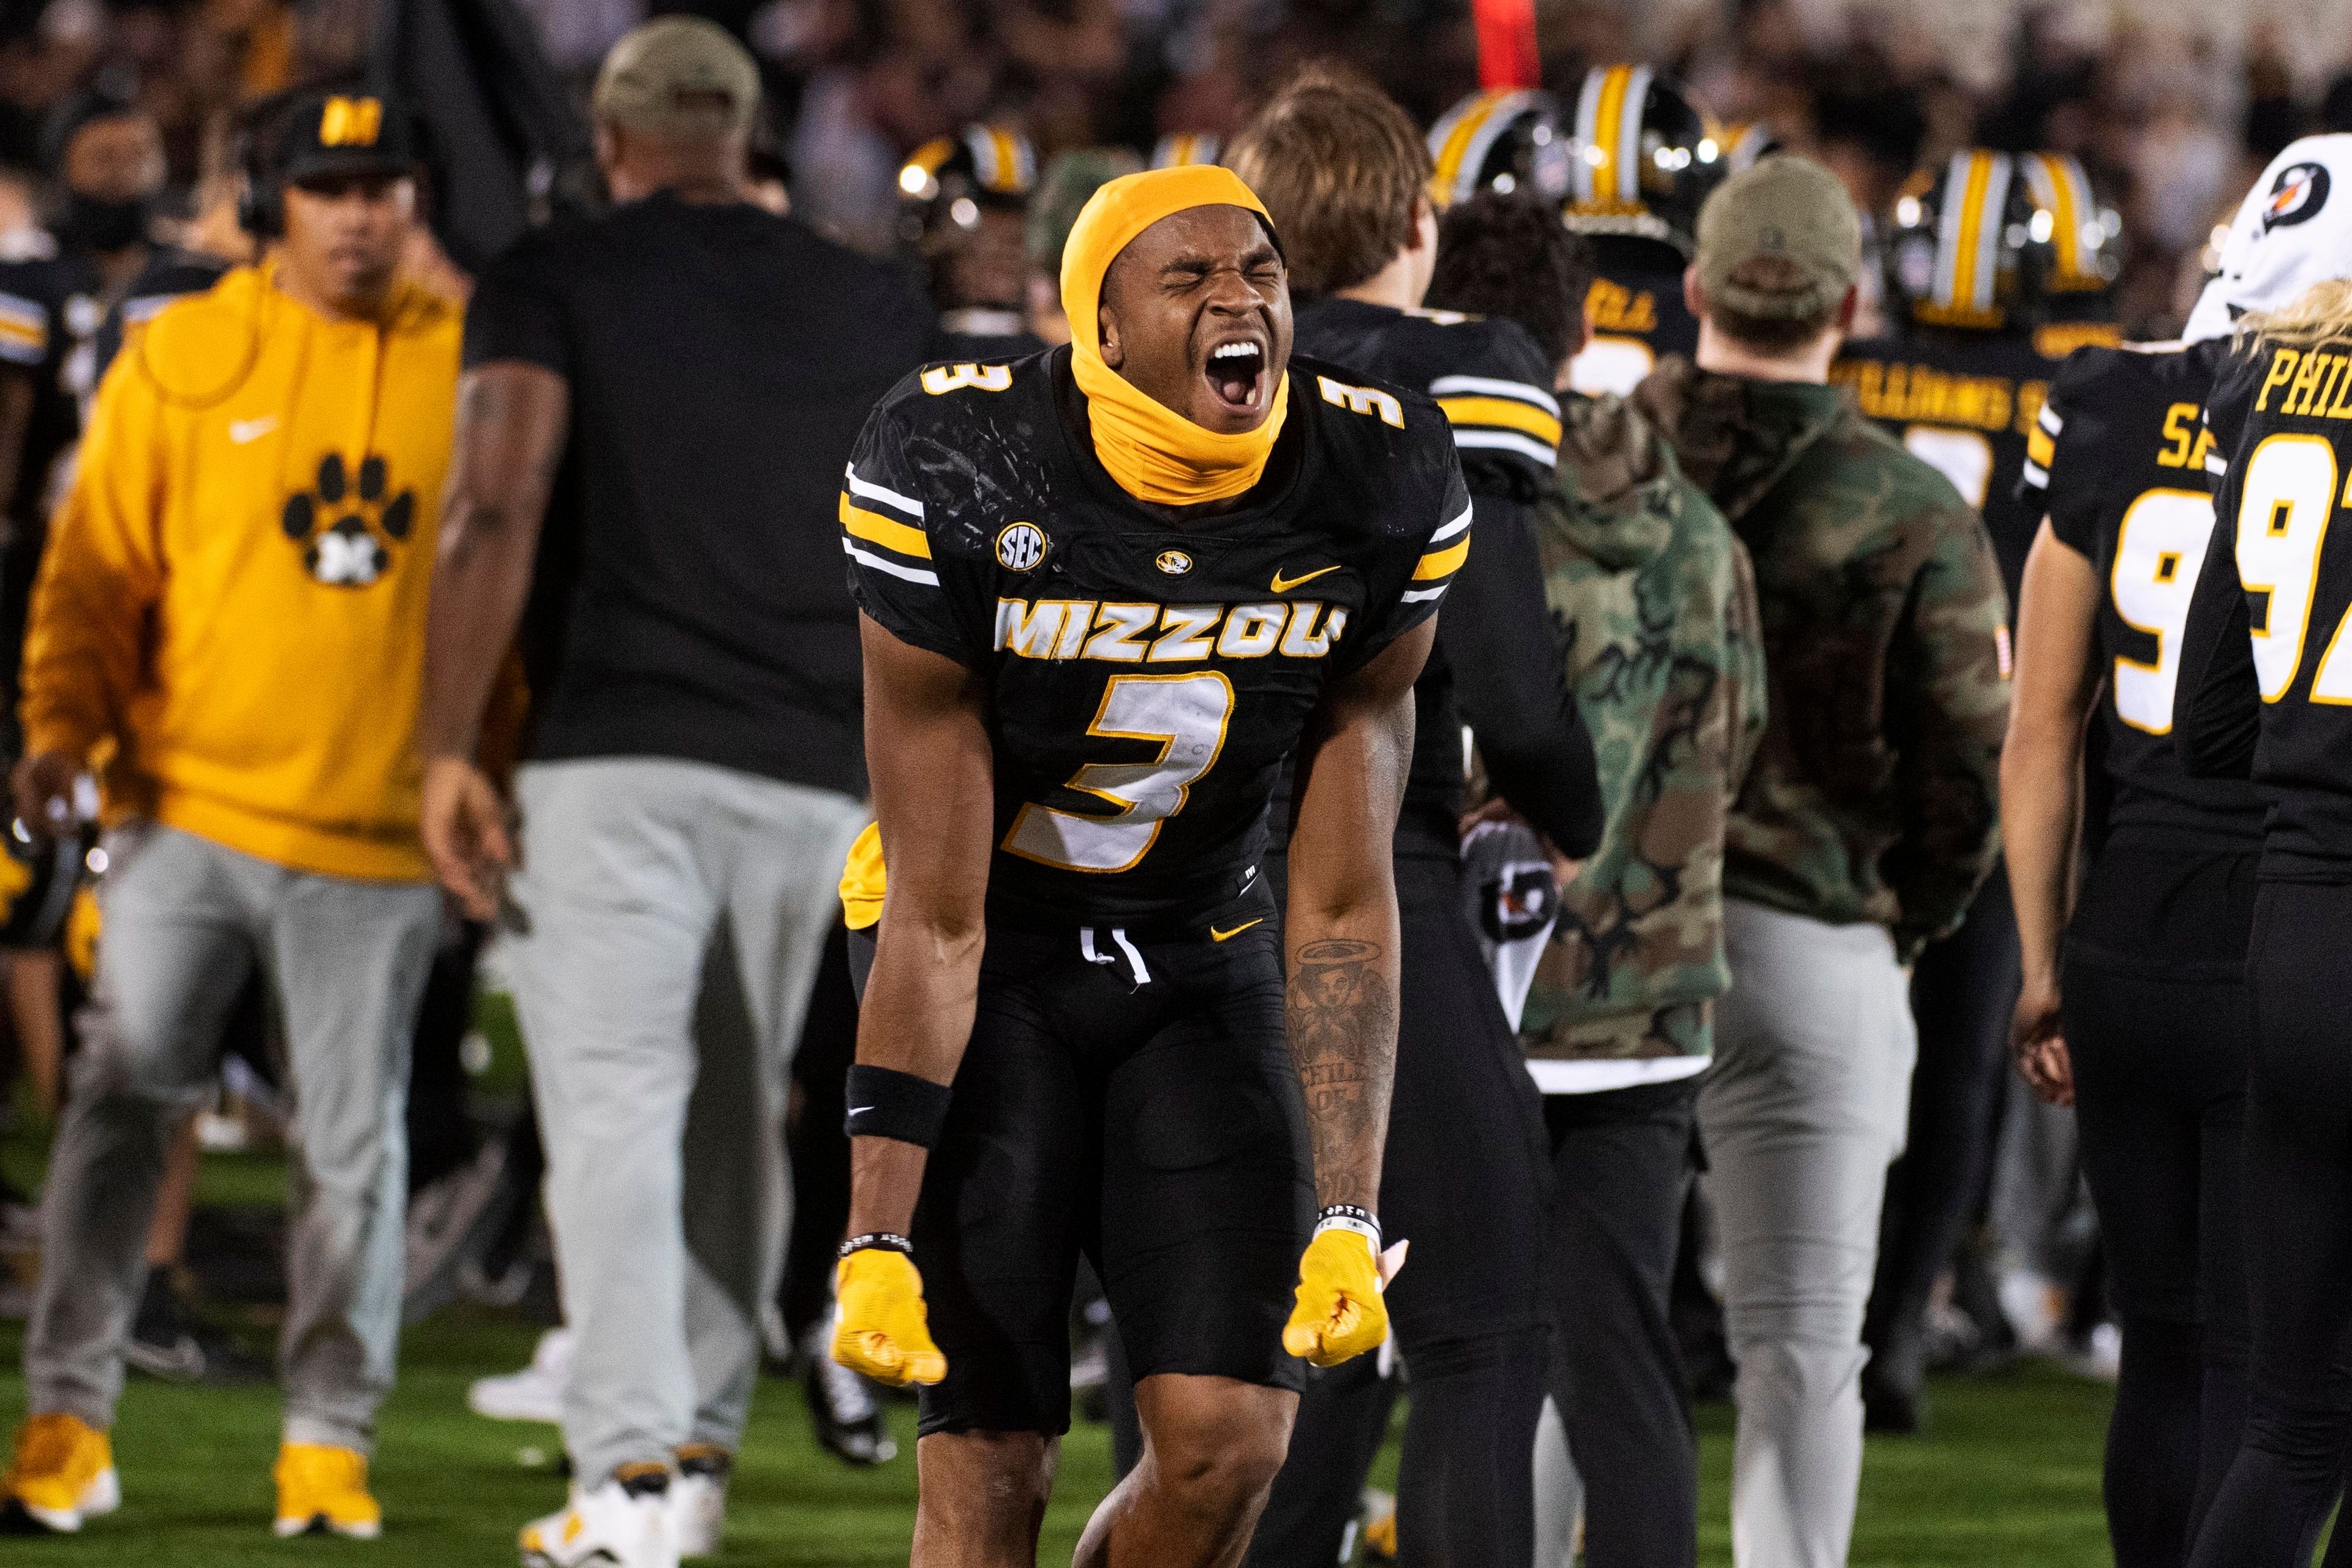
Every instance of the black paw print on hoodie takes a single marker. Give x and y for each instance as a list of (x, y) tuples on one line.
[(343, 528)]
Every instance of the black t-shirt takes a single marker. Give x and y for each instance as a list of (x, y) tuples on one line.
[(2265, 683), (1496, 666), (720, 361), (1965, 404), (980, 525), (2119, 466), (1637, 316)]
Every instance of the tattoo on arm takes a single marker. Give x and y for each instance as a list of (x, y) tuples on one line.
[(1343, 1023)]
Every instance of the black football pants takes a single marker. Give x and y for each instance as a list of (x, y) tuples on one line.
[(2298, 1238), (1963, 991), (2160, 1100), (1464, 1182)]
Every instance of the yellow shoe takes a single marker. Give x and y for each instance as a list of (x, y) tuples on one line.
[(322, 1487), (63, 1473)]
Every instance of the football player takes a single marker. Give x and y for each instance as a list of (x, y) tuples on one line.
[(963, 205), (1983, 254), (1641, 159), (1106, 591), (2264, 690), (2146, 1036), (1347, 179)]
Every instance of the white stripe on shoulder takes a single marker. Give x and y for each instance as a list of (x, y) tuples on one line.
[(2036, 475), (2050, 421), (1507, 441), (1453, 385), (911, 573), (2216, 464), (868, 490), (1456, 526), (1415, 596)]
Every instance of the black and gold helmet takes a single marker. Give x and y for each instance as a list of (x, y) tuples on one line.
[(1744, 145), (1641, 158), (1970, 248), (1499, 139), (2082, 231), (946, 181), (1182, 149)]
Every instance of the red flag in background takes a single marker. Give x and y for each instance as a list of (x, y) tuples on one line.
[(1507, 43)]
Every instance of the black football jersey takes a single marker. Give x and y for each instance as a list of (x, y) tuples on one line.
[(2272, 611), (1965, 404), (1147, 677), (1490, 380), (1636, 314), (2118, 462)]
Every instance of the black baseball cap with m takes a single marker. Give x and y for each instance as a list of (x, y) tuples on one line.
[(329, 135)]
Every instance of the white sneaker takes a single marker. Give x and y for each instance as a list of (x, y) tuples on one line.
[(625, 1523), (534, 1393), (698, 1499)]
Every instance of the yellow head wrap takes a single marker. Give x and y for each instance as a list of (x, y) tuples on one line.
[(1155, 453)]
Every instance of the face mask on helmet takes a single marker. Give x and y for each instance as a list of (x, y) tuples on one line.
[(946, 182), (1499, 140), (2082, 233), (1641, 158)]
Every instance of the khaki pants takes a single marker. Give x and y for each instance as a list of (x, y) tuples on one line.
[(1802, 1113)]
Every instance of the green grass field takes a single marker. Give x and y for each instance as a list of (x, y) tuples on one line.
[(2009, 1473)]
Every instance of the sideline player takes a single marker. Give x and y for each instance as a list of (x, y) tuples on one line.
[(2147, 1034), (1346, 177), (2275, 705), (1108, 591)]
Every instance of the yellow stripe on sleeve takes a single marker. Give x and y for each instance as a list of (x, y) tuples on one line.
[(887, 532), (1443, 563), (2039, 447), (1502, 411)]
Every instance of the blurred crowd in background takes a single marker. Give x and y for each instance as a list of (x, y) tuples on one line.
[(2171, 115)]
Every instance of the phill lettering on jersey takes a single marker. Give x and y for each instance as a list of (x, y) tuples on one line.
[(2316, 383), (1166, 634)]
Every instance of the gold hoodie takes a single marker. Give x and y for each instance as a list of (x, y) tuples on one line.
[(230, 616)]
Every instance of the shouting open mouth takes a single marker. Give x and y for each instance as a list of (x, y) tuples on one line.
[(1236, 372)]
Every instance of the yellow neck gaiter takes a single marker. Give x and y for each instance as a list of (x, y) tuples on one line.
[(1155, 453)]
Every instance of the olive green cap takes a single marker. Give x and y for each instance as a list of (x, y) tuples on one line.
[(1789, 209), (1070, 182), (678, 73)]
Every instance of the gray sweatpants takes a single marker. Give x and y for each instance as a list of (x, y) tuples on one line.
[(661, 1097), (1804, 1109), (185, 921)]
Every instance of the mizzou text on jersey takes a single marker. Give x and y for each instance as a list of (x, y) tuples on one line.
[(1965, 404), (1147, 677)]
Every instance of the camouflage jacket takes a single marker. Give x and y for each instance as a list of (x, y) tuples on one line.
[(1876, 794), (1656, 604)]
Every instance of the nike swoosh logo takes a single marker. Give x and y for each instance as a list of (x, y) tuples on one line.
[(241, 431), (1216, 935), (859, 1110), (1285, 585)]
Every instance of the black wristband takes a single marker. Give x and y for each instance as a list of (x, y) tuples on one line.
[(886, 1103), (877, 1241)]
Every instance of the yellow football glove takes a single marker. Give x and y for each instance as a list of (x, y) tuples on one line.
[(882, 1329), (1339, 1312)]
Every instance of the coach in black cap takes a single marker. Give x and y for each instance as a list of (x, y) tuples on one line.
[(658, 407)]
